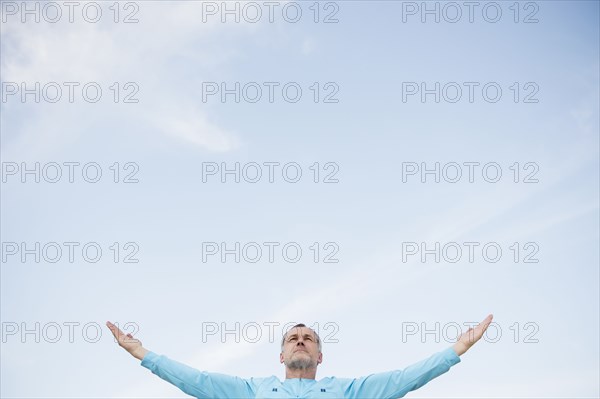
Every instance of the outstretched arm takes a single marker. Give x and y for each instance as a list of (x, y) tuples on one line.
[(471, 336), (397, 383), (199, 384)]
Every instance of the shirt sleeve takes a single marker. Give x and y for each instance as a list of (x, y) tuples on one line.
[(199, 384), (397, 383)]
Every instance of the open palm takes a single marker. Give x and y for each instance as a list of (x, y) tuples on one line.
[(472, 335), (127, 341)]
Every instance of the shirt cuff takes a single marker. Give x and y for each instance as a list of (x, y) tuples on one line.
[(149, 359), (450, 356)]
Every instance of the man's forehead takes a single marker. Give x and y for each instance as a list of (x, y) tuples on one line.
[(300, 331)]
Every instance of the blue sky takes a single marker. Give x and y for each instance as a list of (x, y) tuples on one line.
[(367, 137)]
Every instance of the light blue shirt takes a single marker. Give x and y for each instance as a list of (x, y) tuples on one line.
[(391, 384)]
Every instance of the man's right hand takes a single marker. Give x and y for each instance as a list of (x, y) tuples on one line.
[(127, 342)]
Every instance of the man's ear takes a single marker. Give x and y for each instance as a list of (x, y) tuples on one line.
[(281, 357), (320, 358)]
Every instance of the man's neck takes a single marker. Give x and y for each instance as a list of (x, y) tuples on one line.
[(308, 374)]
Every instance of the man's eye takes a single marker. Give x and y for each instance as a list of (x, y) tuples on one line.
[(309, 338)]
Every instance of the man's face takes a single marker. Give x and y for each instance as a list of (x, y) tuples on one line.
[(300, 349)]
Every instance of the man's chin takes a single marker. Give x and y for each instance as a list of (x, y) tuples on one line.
[(300, 363)]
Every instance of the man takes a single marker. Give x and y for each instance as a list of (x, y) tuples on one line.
[(301, 354)]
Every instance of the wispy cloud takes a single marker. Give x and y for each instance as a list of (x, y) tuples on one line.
[(106, 53)]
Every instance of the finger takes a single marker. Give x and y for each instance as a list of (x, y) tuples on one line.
[(482, 327), (486, 322), (472, 335), (114, 329)]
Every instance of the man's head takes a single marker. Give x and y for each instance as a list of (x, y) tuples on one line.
[(301, 348)]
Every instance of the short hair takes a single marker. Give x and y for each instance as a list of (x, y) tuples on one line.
[(301, 325)]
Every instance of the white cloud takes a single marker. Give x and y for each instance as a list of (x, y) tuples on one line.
[(106, 52), (195, 128)]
